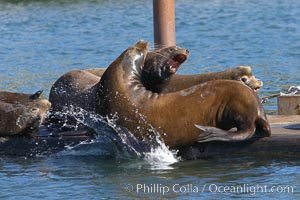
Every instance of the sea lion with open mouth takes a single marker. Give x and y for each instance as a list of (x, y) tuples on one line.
[(200, 113)]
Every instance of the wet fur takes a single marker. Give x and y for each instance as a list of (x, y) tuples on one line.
[(176, 115)]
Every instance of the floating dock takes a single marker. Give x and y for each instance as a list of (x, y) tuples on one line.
[(285, 138)]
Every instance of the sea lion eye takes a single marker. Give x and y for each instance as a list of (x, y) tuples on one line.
[(171, 50), (34, 110), (244, 79)]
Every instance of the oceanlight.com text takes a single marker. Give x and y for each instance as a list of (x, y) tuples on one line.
[(141, 188)]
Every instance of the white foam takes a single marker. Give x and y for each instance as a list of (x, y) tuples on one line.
[(161, 157)]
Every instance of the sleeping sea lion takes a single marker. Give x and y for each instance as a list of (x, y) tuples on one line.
[(200, 113), (242, 73), (21, 113)]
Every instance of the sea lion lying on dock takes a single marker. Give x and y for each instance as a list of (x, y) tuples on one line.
[(21, 113), (242, 73), (201, 113)]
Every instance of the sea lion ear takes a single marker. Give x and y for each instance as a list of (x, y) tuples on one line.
[(36, 95)]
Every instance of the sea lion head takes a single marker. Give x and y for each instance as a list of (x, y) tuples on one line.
[(34, 113), (134, 56), (39, 108), (160, 65), (24, 116), (248, 78)]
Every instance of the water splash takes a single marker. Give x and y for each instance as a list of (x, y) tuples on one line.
[(161, 157), (110, 140)]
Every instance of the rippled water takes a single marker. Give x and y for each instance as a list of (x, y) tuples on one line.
[(41, 40)]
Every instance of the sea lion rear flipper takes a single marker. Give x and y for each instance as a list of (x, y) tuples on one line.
[(263, 127), (36, 95), (210, 133)]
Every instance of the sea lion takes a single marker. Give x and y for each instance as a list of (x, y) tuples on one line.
[(21, 113), (242, 73), (201, 113)]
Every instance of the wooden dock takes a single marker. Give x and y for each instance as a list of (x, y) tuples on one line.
[(285, 139)]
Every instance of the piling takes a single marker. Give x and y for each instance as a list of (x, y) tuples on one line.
[(164, 23)]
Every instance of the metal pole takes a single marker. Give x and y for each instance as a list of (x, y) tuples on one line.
[(164, 23)]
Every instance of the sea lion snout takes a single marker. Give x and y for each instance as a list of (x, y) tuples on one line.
[(180, 56)]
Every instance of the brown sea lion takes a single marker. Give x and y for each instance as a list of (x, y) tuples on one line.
[(21, 113), (241, 73), (201, 113)]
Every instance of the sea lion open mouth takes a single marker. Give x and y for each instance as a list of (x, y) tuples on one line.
[(256, 90), (176, 61)]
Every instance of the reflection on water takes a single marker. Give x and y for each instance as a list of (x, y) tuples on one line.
[(41, 40)]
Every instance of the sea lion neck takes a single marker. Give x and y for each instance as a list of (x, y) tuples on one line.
[(122, 75), (132, 65)]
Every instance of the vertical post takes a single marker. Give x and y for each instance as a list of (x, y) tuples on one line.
[(164, 23)]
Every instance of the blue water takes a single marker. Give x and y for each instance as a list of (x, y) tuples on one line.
[(41, 40)]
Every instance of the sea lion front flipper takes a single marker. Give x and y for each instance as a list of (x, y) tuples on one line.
[(210, 133), (36, 95)]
